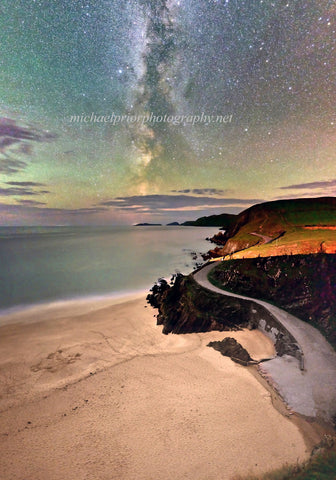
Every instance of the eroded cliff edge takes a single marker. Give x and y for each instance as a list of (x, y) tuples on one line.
[(186, 307), (303, 285)]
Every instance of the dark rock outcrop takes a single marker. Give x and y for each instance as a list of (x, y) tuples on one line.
[(229, 347), (186, 307), (218, 239)]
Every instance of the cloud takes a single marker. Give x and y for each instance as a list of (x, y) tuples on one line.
[(173, 202), (81, 211), (26, 149), (7, 142), (305, 194), (25, 184), (311, 185), (12, 134), (20, 191), (30, 202), (202, 191), (10, 131), (16, 191), (33, 207), (9, 166)]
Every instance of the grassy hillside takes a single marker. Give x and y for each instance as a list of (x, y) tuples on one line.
[(282, 227)]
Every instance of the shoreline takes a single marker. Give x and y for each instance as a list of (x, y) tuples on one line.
[(65, 377), (312, 429), (66, 306)]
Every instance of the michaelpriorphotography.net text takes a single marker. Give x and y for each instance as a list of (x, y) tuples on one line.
[(117, 119)]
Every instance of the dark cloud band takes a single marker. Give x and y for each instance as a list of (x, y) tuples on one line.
[(311, 185), (155, 202)]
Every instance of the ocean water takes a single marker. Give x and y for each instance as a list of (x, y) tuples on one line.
[(47, 264)]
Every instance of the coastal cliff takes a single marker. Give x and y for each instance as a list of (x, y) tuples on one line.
[(304, 285), (285, 255), (297, 226), (186, 307)]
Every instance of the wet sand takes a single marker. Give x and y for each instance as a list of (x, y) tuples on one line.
[(95, 391)]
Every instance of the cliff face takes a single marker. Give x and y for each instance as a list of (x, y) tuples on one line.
[(304, 285), (186, 307)]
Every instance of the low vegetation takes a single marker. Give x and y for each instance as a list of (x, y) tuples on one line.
[(321, 466), (281, 227)]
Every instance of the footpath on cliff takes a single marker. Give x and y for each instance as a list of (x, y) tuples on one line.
[(312, 391)]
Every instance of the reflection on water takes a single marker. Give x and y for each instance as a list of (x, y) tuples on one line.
[(50, 263)]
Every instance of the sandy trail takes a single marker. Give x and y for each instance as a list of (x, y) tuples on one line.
[(104, 395)]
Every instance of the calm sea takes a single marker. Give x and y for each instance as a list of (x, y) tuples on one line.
[(45, 264)]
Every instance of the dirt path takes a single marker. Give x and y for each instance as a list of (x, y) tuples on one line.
[(311, 392), (264, 238)]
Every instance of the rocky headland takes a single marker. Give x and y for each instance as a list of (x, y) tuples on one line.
[(224, 220), (185, 307), (281, 251), (300, 226)]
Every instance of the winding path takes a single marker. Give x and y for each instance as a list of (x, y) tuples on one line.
[(311, 392), (264, 238)]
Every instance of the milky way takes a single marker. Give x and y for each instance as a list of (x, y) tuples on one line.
[(268, 66)]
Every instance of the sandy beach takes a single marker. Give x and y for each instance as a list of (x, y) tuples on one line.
[(95, 391)]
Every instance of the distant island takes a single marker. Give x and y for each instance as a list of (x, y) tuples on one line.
[(224, 220), (148, 225)]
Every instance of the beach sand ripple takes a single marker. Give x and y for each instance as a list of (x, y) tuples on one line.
[(102, 394)]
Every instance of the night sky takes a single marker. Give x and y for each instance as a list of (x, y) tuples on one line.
[(267, 67)]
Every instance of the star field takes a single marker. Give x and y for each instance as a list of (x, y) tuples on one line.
[(269, 64)]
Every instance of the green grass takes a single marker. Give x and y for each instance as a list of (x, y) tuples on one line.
[(286, 216), (293, 237), (298, 234), (319, 467), (315, 216)]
